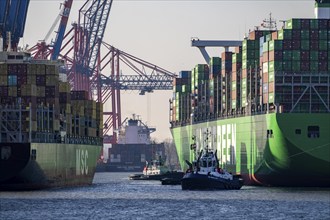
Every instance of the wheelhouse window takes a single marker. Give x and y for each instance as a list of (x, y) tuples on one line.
[(298, 131), (313, 131)]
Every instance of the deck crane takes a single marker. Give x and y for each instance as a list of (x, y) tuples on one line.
[(12, 22)]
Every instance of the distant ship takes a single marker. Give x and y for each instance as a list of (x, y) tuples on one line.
[(133, 150), (267, 105), (50, 136)]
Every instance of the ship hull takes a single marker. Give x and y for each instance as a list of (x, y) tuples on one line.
[(29, 166), (196, 181), (130, 157), (277, 149)]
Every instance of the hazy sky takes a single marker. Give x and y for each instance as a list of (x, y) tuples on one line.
[(159, 31)]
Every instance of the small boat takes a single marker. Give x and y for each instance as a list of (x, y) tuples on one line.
[(157, 170), (205, 173)]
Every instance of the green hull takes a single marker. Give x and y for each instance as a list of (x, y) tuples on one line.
[(44, 165), (277, 149)]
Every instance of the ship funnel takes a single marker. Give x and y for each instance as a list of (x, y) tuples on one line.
[(322, 9)]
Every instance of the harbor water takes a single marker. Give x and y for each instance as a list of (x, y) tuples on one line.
[(114, 196)]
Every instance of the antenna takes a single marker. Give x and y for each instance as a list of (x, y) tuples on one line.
[(269, 24)]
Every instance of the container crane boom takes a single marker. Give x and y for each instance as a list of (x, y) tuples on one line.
[(61, 29), (12, 20), (95, 21)]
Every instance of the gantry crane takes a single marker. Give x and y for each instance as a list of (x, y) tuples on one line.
[(100, 75), (12, 22)]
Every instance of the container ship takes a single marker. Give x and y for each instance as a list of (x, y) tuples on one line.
[(266, 104), (134, 149), (50, 136)]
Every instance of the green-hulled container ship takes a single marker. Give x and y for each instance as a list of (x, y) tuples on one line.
[(267, 105), (50, 136)]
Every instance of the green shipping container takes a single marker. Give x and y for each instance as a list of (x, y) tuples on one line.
[(275, 45), (293, 23), (236, 58), (323, 45), (323, 34), (284, 34), (304, 44), (271, 76), (287, 55), (296, 55), (246, 64), (244, 81), (215, 61), (250, 54), (296, 66), (314, 55), (314, 24), (265, 47), (304, 34), (287, 65), (233, 85), (314, 66), (250, 44), (233, 104), (268, 37), (271, 98), (274, 66)]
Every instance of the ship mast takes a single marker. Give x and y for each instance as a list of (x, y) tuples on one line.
[(270, 23)]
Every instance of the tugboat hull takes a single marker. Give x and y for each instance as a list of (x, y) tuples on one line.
[(195, 181)]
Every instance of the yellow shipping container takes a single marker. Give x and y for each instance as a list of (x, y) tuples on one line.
[(29, 90), (41, 69), (91, 132), (31, 79), (64, 87), (3, 80), (32, 70), (52, 80), (3, 69), (41, 91), (12, 91)]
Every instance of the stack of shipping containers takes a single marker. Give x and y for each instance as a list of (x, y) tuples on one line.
[(226, 58), (200, 83), (236, 79), (293, 58), (271, 69), (181, 103), (48, 107), (215, 80)]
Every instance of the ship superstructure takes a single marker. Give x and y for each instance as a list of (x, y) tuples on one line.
[(267, 104), (134, 148)]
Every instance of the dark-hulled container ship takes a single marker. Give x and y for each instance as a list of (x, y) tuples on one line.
[(134, 148), (50, 136), (267, 105)]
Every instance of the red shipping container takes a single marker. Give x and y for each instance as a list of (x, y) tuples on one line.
[(274, 35), (265, 57), (265, 77), (304, 55), (226, 56), (238, 49)]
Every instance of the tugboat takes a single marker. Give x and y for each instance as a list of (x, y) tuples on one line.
[(157, 170), (205, 173)]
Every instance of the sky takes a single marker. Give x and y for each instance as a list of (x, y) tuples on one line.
[(160, 32)]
